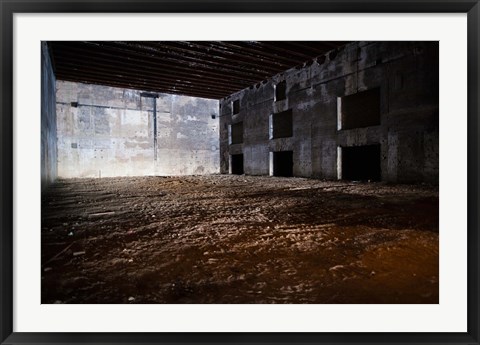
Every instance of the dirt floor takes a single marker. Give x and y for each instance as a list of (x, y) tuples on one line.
[(238, 239)]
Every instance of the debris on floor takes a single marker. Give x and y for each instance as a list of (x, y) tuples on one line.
[(238, 239)]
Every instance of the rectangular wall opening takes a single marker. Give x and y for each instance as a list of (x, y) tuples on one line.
[(236, 107), (361, 163), (237, 164), (283, 163), (281, 91), (359, 110), (281, 125), (237, 133)]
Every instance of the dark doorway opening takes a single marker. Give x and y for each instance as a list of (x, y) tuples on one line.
[(283, 163), (361, 163), (237, 164)]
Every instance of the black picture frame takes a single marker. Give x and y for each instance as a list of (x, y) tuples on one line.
[(10, 7)]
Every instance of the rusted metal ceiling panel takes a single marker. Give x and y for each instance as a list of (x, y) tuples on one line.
[(209, 69)]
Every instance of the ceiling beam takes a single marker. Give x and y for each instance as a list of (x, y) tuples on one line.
[(210, 69)]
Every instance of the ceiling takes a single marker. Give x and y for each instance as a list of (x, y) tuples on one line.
[(209, 69)]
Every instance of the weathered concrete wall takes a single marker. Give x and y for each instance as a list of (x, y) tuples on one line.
[(406, 74), (106, 131), (48, 121)]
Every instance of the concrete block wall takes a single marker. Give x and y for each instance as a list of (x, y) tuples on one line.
[(48, 125), (406, 74), (106, 131)]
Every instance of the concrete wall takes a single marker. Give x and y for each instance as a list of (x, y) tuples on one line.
[(406, 74), (48, 121), (106, 131)]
